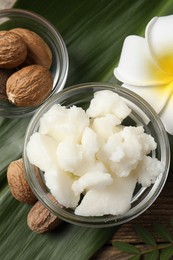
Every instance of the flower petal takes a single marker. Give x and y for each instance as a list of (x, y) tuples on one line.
[(135, 65), (159, 36), (156, 96), (166, 116)]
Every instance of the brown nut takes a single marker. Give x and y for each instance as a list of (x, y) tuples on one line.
[(38, 51), (18, 184), (4, 75), (13, 50), (40, 219), (29, 86)]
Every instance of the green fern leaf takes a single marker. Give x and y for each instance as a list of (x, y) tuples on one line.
[(163, 232), (145, 235), (166, 253), (135, 257), (125, 247), (153, 255)]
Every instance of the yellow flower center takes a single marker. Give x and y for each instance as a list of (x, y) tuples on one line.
[(166, 64)]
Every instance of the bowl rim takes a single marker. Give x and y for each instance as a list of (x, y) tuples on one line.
[(100, 221), (19, 112)]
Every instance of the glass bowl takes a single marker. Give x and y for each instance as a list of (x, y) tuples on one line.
[(12, 18), (142, 114)]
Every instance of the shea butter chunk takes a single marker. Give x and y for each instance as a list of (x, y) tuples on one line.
[(90, 142), (64, 123), (148, 171), (41, 151), (48, 121), (114, 199), (124, 149), (96, 180), (60, 185), (69, 155), (107, 102), (106, 126)]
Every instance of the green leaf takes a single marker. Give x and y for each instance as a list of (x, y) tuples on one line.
[(125, 247), (163, 232), (153, 255), (94, 31), (67, 242), (135, 257), (145, 235), (166, 253), (11, 140)]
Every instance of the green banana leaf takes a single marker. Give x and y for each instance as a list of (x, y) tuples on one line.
[(93, 31)]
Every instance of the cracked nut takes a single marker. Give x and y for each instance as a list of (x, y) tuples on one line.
[(38, 51), (13, 50), (40, 219), (29, 86), (18, 184)]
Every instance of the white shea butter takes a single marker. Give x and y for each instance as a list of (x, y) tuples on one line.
[(60, 183), (59, 123), (113, 199), (91, 161), (69, 155), (41, 151), (107, 102), (97, 179)]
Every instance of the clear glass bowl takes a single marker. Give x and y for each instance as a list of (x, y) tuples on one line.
[(142, 114), (12, 18)]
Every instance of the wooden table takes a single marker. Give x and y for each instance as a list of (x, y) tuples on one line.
[(161, 211)]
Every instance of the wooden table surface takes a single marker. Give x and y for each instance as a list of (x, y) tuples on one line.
[(161, 210)]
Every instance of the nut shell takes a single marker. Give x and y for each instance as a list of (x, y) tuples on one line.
[(29, 86), (38, 51), (13, 50), (40, 219), (18, 184)]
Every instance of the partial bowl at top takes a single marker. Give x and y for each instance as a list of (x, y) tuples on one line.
[(141, 115), (16, 18)]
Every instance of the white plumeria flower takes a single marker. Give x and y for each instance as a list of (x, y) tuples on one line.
[(146, 67)]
